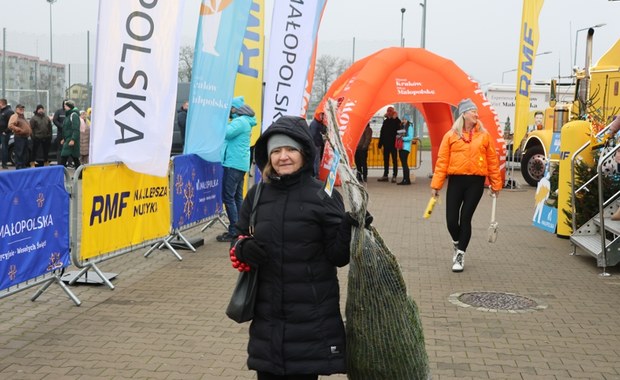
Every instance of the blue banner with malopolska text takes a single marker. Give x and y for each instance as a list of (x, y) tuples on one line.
[(197, 193), (34, 224), (219, 39)]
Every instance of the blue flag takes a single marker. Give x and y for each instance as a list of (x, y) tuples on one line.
[(216, 59)]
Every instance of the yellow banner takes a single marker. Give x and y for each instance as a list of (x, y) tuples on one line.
[(121, 208), (527, 52), (249, 81)]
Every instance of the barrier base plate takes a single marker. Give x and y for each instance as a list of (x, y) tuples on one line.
[(180, 244), (87, 278)]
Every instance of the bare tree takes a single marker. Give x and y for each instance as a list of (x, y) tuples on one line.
[(186, 59), (326, 70)]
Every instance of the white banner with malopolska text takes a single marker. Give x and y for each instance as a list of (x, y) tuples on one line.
[(135, 83), (293, 32)]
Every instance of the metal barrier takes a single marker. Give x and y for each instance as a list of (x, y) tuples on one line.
[(113, 209), (188, 195), (45, 279), (375, 155)]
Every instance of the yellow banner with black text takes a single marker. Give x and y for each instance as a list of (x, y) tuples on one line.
[(121, 208), (527, 54)]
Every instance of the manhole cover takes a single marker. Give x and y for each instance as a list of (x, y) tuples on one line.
[(497, 302)]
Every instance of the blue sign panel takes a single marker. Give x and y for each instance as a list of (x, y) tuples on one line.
[(197, 193), (34, 224)]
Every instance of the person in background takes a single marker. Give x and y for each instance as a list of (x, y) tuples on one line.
[(361, 154), (387, 137), (182, 119), (300, 239), (41, 126), (318, 130), (21, 128), (84, 137), (405, 134), (58, 120), (236, 162), (466, 157), (70, 135), (5, 132)]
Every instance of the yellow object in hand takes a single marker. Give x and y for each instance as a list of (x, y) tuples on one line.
[(429, 207)]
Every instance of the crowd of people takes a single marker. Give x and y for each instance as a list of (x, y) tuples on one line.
[(72, 135)]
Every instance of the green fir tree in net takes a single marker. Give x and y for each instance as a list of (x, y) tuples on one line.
[(385, 340), (586, 202)]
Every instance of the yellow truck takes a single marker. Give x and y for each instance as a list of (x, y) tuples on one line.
[(596, 93)]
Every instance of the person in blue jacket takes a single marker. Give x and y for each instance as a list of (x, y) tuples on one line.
[(235, 156), (406, 134)]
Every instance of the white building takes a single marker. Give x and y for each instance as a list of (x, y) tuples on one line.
[(30, 81)]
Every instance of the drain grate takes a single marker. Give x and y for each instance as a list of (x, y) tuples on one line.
[(497, 302)]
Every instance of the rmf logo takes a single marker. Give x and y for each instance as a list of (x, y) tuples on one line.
[(110, 207)]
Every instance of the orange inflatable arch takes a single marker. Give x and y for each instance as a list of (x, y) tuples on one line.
[(429, 82)]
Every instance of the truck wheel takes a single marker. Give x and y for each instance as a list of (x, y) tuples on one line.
[(533, 165)]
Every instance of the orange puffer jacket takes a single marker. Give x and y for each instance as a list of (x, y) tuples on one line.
[(456, 157)]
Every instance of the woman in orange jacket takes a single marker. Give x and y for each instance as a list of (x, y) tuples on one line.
[(466, 157)]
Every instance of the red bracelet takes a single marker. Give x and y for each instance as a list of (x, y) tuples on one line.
[(241, 267)]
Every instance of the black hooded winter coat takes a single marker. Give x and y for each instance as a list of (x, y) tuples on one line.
[(297, 326)]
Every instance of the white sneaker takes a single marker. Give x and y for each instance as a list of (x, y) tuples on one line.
[(459, 261)]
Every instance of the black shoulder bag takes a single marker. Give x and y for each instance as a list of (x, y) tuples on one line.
[(241, 305)]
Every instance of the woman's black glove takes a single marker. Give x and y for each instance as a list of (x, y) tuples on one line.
[(350, 219), (250, 252)]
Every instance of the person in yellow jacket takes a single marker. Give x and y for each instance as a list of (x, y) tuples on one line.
[(466, 157)]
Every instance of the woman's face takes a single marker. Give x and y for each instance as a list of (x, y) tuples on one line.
[(286, 160), (471, 117)]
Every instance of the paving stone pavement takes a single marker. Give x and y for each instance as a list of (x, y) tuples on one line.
[(165, 318)]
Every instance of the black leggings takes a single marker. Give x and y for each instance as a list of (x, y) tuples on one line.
[(463, 196), (404, 156), (269, 376), (361, 163)]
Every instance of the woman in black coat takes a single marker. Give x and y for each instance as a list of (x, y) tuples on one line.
[(301, 236)]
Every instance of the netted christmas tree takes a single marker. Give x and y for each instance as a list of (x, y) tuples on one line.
[(586, 201), (385, 339)]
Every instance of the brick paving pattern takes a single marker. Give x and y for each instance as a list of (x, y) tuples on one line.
[(165, 319)]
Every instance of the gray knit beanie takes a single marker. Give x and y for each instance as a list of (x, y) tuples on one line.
[(279, 140), (466, 105)]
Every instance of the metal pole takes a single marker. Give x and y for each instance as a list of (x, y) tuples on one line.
[(577, 39), (4, 63), (402, 19), (88, 68), (36, 80), (51, 70), (51, 44), (353, 54), (402, 44), (423, 43)]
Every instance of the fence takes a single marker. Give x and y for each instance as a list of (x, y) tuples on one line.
[(196, 197), (34, 234)]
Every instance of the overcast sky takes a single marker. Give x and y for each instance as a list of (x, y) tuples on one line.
[(480, 36)]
